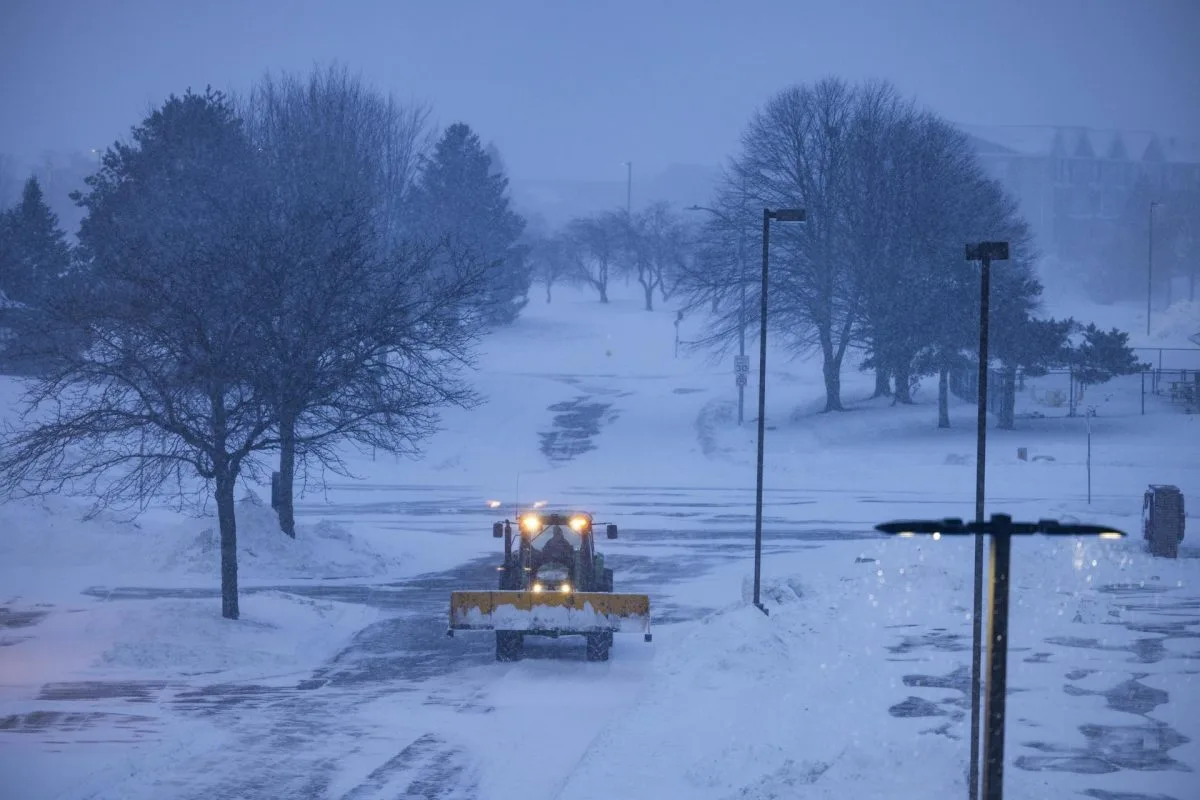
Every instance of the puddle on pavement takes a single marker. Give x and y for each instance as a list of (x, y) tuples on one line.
[(576, 423), (1130, 696), (934, 639), (1110, 748), (134, 691), (11, 618), (70, 722)]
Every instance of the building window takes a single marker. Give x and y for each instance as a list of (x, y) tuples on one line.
[(1060, 170)]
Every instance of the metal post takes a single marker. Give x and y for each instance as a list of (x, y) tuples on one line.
[(1150, 265), (1143, 374), (1089, 454), (629, 188), (742, 316), (762, 411), (980, 462), (993, 743)]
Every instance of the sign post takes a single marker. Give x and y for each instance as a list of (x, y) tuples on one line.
[(741, 374)]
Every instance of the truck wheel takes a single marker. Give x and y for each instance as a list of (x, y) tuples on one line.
[(599, 645), (510, 645)]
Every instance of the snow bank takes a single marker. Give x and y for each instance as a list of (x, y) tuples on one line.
[(278, 635), (48, 550), (323, 550)]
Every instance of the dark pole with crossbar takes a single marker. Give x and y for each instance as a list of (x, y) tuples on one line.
[(1001, 528), (983, 252)]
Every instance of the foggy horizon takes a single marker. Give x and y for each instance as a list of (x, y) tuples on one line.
[(572, 92)]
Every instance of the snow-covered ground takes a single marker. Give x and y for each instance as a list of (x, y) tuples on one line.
[(119, 679)]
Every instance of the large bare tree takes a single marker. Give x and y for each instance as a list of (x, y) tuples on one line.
[(365, 328), (796, 153)]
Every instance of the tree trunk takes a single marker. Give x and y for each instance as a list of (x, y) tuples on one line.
[(831, 369), (904, 384), (883, 383), (287, 472), (943, 398), (228, 524), (648, 290), (1008, 399), (548, 285)]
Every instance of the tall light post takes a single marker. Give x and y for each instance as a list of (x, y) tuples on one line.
[(1150, 264), (741, 365), (984, 252), (1001, 528), (628, 187), (782, 215)]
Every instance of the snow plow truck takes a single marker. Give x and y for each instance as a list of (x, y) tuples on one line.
[(552, 583)]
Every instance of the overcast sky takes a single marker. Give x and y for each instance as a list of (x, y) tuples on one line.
[(572, 88)]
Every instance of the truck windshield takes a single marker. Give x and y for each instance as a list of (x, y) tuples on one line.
[(573, 538)]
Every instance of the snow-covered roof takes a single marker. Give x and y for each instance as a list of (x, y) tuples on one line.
[(1080, 142)]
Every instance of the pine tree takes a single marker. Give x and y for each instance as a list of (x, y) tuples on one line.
[(33, 250), (464, 196), (1104, 355)]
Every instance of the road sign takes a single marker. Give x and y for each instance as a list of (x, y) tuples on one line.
[(741, 379), (741, 365)]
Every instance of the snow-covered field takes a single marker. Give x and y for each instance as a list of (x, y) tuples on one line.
[(118, 679)]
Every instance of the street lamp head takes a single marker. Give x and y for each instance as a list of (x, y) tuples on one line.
[(788, 215), (992, 251), (998, 524)]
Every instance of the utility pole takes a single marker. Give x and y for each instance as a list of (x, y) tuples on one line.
[(629, 189), (1150, 265), (983, 252), (1001, 528)]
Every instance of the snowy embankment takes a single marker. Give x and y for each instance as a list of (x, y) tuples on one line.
[(60, 572)]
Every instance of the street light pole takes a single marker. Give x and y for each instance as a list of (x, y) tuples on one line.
[(629, 188), (1150, 265), (1001, 528), (783, 215), (983, 252)]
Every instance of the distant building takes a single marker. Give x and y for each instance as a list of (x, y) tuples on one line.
[(1073, 183)]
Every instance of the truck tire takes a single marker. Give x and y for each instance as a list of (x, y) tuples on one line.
[(510, 645), (599, 645)]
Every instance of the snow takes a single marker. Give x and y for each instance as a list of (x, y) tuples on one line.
[(847, 689)]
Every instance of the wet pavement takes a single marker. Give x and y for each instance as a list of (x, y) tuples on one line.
[(1143, 744)]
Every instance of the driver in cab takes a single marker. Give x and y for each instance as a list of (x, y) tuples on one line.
[(558, 549)]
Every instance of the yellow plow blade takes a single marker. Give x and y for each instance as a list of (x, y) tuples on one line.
[(551, 612)]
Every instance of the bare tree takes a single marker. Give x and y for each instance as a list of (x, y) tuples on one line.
[(596, 250), (795, 153), (161, 398), (362, 333), (551, 258)]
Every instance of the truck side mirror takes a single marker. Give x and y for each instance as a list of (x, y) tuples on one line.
[(611, 531), (498, 529)]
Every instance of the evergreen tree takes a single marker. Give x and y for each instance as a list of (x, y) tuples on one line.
[(1104, 355), (33, 250), (463, 196)]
